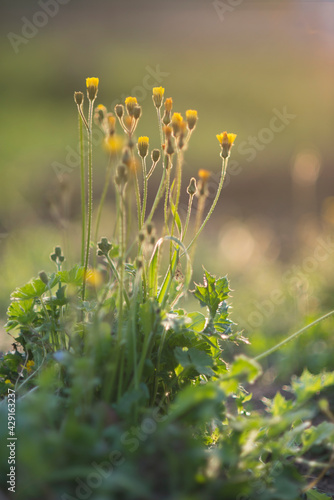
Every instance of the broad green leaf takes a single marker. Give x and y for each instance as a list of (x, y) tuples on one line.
[(34, 289), (199, 360), (316, 495), (245, 368), (74, 276), (307, 385), (197, 322), (324, 432)]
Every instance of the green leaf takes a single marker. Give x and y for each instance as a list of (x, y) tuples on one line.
[(34, 289), (195, 358), (74, 276), (307, 385), (197, 322), (317, 435), (316, 495), (245, 368), (20, 313), (212, 293)]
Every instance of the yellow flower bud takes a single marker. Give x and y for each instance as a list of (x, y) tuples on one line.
[(226, 141), (142, 145), (92, 85), (191, 117), (130, 104), (158, 95)]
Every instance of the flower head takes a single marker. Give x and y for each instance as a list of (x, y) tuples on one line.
[(130, 104), (191, 117), (204, 175), (29, 366), (142, 145), (226, 141), (94, 278), (168, 104), (177, 121), (92, 85), (114, 144), (158, 95)]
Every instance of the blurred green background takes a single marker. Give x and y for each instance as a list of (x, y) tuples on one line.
[(239, 64)]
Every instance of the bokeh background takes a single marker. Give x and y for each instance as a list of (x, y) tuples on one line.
[(240, 64)]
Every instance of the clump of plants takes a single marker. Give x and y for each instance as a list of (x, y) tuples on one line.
[(123, 394)]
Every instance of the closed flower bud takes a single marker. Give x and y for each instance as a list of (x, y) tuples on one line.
[(191, 117), (168, 132), (149, 228), (119, 110), (137, 112), (78, 98), (142, 145), (43, 277), (121, 175), (141, 236), (92, 85), (158, 95), (166, 119), (104, 247), (168, 104), (192, 188), (126, 158), (111, 123), (170, 148), (155, 155)]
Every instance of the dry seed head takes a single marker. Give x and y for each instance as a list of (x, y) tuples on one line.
[(191, 117), (143, 143), (119, 110), (78, 98), (130, 104), (192, 188), (158, 95), (92, 85), (155, 155), (226, 141)]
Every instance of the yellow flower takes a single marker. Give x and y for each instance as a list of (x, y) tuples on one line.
[(177, 121), (226, 141), (168, 104), (131, 103), (92, 85), (143, 143), (94, 278), (204, 175), (7, 381), (158, 94), (29, 366), (114, 143), (191, 117)]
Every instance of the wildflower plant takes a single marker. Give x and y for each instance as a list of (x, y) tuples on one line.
[(105, 344)]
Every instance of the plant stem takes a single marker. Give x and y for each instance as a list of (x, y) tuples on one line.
[(99, 211), (90, 194), (83, 192), (214, 203), (185, 229), (144, 191), (293, 336)]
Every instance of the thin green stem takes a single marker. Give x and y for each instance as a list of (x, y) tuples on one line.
[(293, 336), (83, 191), (185, 229), (144, 191), (102, 200), (166, 200), (90, 194), (214, 203)]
